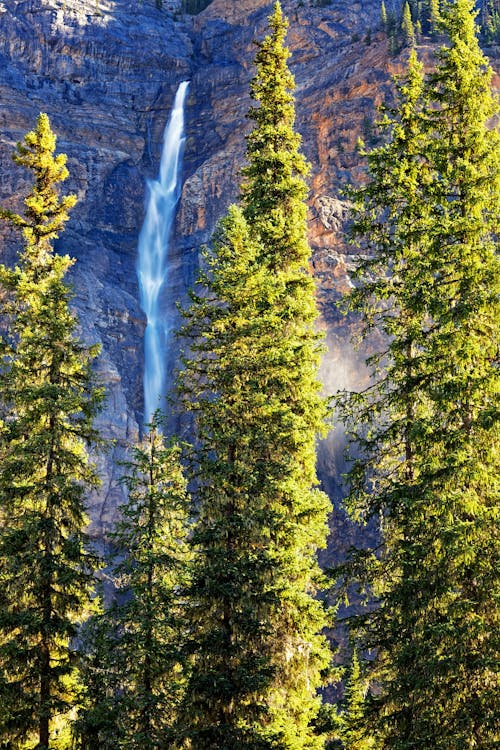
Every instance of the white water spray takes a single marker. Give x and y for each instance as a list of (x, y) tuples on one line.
[(152, 264)]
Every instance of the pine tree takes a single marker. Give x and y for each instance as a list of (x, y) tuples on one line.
[(274, 188), (427, 427), (136, 644), (48, 403), (393, 33), (254, 557), (251, 379), (231, 594)]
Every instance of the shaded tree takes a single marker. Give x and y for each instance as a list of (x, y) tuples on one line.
[(133, 666)]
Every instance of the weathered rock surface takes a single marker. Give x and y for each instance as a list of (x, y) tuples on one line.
[(106, 72)]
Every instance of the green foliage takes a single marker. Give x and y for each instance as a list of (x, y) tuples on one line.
[(427, 428), (96, 725), (383, 15), (407, 29), (274, 188), (134, 672), (354, 732), (434, 16), (250, 377), (253, 549), (48, 403), (490, 20)]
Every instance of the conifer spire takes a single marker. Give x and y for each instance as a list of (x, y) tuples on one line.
[(251, 378), (48, 402)]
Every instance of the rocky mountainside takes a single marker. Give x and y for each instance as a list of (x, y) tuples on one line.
[(106, 72)]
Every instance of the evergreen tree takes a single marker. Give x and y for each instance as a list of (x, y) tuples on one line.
[(251, 609), (232, 593), (135, 646), (463, 347), (48, 404), (407, 29), (251, 379), (274, 190), (383, 16), (490, 20), (393, 28), (434, 16), (96, 726), (354, 735), (392, 216), (427, 427)]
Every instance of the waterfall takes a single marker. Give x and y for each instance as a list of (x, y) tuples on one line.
[(152, 264)]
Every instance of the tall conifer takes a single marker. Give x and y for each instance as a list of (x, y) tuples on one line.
[(353, 731), (132, 668), (146, 623), (428, 426), (251, 379), (383, 16), (407, 28), (48, 404)]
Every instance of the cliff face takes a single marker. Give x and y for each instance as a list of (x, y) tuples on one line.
[(106, 78), (106, 72)]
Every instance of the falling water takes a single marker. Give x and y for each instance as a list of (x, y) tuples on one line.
[(152, 265)]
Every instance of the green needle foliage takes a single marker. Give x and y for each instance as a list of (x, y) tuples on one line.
[(407, 28), (353, 732), (274, 189), (136, 645), (250, 377), (427, 428), (48, 404), (232, 592), (95, 726), (155, 567)]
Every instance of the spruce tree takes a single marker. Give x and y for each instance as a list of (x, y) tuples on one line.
[(490, 20), (134, 675), (48, 403), (427, 427), (392, 216), (154, 568), (231, 594), (407, 29), (434, 16), (463, 469), (354, 732), (383, 16), (250, 377), (96, 724), (274, 189)]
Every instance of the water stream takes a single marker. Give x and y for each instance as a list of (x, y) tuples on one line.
[(153, 261)]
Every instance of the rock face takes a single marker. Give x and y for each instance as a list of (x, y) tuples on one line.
[(106, 72)]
